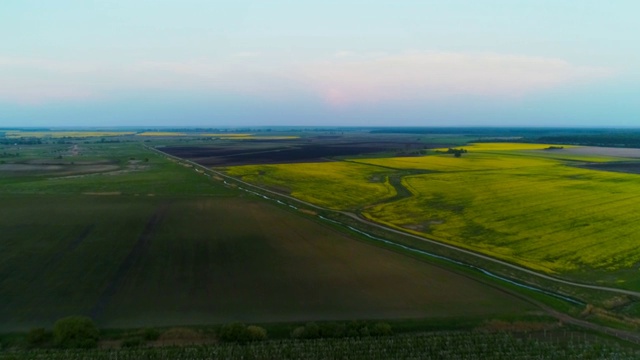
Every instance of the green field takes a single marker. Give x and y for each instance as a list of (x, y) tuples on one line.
[(151, 241), (516, 202)]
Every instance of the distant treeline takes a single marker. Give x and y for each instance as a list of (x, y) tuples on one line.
[(501, 131), (529, 133), (20, 141), (631, 140)]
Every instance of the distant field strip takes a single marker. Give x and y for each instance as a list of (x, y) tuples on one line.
[(62, 134)]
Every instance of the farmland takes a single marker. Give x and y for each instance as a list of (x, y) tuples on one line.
[(549, 210), (150, 241)]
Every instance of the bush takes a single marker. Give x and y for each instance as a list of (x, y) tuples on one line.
[(75, 332), (332, 330), (235, 332), (240, 333), (150, 334), (256, 333), (310, 331), (132, 342), (37, 337), (298, 333), (181, 335), (381, 329)]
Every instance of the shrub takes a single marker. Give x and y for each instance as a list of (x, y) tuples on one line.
[(132, 342), (311, 331), (37, 337), (298, 333), (332, 330), (180, 334), (75, 332), (256, 333), (235, 332), (240, 333), (150, 334), (381, 329)]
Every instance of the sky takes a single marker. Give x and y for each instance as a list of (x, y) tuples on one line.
[(560, 63)]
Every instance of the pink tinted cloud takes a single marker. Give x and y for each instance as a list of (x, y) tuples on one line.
[(344, 79), (422, 76)]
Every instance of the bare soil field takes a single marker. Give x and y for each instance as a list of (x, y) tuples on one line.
[(604, 151), (630, 167), (278, 152), (623, 167)]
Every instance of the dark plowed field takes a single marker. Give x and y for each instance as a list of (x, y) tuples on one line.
[(623, 167), (283, 153)]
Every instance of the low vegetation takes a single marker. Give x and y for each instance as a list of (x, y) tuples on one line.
[(443, 345)]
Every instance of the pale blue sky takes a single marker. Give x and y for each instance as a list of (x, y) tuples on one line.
[(248, 63)]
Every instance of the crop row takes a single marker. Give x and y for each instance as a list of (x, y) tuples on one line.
[(420, 346)]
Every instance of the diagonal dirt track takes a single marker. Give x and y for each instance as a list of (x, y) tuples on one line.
[(57, 257), (133, 258)]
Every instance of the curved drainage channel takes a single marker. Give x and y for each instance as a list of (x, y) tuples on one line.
[(422, 252)]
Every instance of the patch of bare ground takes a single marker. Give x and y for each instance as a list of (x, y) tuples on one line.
[(29, 168), (308, 212), (622, 167), (422, 226), (603, 151), (179, 336)]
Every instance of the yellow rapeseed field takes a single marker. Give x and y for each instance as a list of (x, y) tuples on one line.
[(161, 133), (523, 206), (336, 185)]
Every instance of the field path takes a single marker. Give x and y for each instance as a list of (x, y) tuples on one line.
[(421, 238), (133, 258)]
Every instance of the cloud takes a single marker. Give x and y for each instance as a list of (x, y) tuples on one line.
[(437, 75), (340, 79), (36, 81)]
